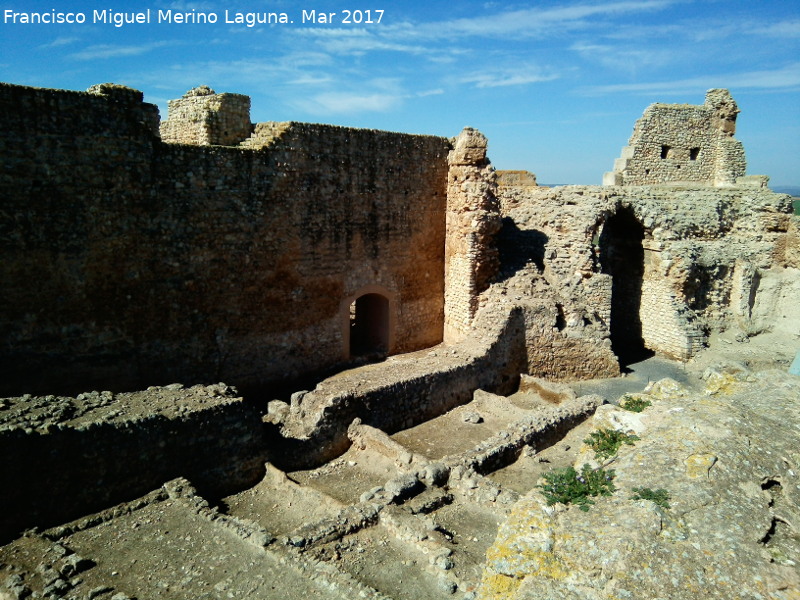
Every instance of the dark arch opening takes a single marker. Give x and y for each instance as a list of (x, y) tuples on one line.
[(369, 326), (622, 257)]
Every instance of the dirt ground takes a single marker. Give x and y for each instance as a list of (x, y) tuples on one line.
[(428, 542)]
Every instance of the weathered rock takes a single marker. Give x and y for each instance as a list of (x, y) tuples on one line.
[(729, 461)]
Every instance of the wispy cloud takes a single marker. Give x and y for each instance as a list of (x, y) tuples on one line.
[(436, 92), (623, 57), (531, 22), (772, 79), (781, 29), (221, 75), (355, 42), (101, 51), (507, 77), (60, 41), (379, 94)]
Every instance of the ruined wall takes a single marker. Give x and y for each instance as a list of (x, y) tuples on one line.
[(127, 262), (405, 390), (683, 143), (64, 457), (204, 118), (471, 257), (690, 242)]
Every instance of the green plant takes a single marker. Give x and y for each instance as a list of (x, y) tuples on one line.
[(633, 404), (567, 486), (659, 497), (606, 442)]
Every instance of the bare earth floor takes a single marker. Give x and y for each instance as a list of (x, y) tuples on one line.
[(373, 523)]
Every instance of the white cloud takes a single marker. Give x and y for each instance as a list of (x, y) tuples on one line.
[(774, 79), (345, 102), (355, 42), (529, 22), (308, 79), (629, 59), (507, 77), (436, 92), (60, 41), (101, 51), (782, 29)]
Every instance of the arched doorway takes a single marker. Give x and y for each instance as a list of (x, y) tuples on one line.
[(622, 257), (369, 326)]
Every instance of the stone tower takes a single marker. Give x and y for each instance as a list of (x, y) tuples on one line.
[(683, 143), (204, 118)]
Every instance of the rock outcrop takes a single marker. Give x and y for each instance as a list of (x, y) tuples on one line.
[(727, 457)]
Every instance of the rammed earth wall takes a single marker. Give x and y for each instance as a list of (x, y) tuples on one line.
[(126, 261)]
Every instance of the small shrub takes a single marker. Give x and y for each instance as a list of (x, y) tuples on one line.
[(659, 497), (606, 442), (632, 404), (567, 486)]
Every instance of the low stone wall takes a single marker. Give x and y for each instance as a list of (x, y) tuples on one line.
[(402, 392), (64, 457)]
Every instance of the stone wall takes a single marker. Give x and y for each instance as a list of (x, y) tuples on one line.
[(557, 246), (128, 262), (471, 258), (683, 143), (204, 118), (64, 457), (405, 390)]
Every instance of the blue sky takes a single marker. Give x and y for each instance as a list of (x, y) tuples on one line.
[(555, 86)]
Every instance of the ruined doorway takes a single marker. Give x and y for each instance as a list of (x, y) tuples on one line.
[(622, 257), (369, 326)]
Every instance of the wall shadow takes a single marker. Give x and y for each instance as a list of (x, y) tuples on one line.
[(519, 248), (622, 257)]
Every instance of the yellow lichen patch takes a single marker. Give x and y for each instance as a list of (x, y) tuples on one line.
[(666, 388), (516, 559), (523, 549), (722, 383), (498, 587), (699, 465)]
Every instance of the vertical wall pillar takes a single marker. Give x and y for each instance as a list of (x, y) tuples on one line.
[(473, 219)]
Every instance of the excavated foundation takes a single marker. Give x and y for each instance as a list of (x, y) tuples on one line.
[(403, 514)]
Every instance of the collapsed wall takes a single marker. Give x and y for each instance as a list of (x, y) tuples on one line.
[(641, 269), (128, 261)]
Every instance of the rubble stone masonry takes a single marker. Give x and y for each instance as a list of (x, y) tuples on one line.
[(205, 118), (683, 143), (473, 218)]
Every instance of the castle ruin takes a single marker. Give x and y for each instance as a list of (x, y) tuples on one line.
[(363, 290), (685, 143)]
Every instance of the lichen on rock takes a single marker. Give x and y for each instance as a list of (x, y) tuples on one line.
[(730, 465)]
